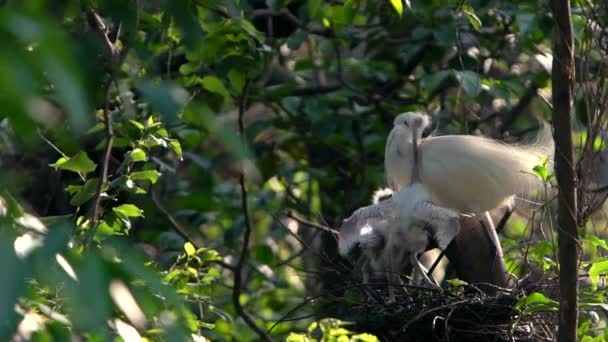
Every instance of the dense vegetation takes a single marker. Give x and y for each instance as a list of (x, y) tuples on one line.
[(163, 163)]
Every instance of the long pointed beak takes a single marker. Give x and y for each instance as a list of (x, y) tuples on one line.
[(415, 170)]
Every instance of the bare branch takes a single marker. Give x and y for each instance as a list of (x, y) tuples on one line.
[(242, 260), (312, 224), (103, 176), (180, 230)]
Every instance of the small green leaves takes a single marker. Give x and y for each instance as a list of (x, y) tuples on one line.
[(542, 172), (80, 162), (128, 210)]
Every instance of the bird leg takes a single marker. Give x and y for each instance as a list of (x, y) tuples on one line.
[(396, 255), (418, 267), (488, 227)]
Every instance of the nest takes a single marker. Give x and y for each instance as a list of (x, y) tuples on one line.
[(457, 313)]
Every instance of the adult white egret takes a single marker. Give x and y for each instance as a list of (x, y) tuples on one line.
[(467, 173)]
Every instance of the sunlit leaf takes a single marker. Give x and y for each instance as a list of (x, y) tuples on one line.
[(176, 147), (596, 269), (138, 155), (537, 302), (471, 17), (189, 248), (397, 6), (128, 210), (149, 175)]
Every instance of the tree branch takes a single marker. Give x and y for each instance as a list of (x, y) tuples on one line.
[(510, 115), (103, 176), (180, 230), (113, 53), (242, 260), (562, 81), (312, 224)]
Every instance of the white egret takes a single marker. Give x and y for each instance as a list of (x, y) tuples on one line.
[(467, 173)]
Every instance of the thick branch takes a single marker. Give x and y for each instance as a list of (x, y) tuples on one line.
[(562, 79)]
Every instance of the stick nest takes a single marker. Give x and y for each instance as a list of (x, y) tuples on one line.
[(458, 313)]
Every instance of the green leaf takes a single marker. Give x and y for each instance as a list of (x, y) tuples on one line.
[(473, 20), (237, 79), (432, 82), (596, 269), (472, 17), (541, 172), (215, 85), (537, 302), (138, 155), (469, 81), (149, 175), (189, 248), (398, 6), (128, 210), (165, 98), (85, 192), (176, 147), (78, 163), (597, 242), (137, 124), (295, 40)]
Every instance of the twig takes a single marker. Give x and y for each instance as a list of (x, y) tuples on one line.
[(180, 230), (103, 177), (312, 224), (238, 268), (294, 20), (510, 115), (308, 91), (98, 25), (424, 313)]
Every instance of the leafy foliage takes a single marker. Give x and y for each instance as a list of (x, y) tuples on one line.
[(130, 131)]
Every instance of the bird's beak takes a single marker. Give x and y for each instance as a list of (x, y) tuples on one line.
[(415, 138)]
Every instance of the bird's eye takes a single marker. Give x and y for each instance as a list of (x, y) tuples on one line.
[(406, 124)]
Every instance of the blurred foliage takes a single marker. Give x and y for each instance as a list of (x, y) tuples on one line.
[(148, 248)]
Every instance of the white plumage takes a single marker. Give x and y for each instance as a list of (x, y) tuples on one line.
[(467, 173)]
